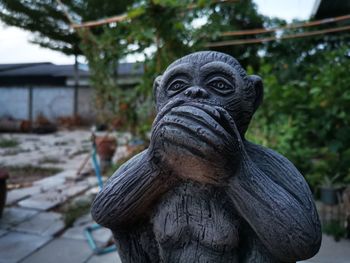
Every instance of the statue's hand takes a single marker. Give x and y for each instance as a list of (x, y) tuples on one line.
[(196, 141)]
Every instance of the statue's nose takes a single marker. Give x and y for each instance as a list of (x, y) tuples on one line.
[(196, 92)]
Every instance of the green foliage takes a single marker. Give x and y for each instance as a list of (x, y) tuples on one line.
[(8, 143), (336, 229), (75, 209), (50, 25), (229, 17), (103, 54), (306, 118), (305, 114)]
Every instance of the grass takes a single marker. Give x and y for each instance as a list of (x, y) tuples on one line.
[(335, 228), (51, 160), (62, 143), (75, 209), (8, 143)]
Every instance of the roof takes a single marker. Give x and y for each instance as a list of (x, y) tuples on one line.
[(4, 67), (330, 8), (52, 70)]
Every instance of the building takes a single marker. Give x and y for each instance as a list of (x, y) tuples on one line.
[(30, 90), (330, 8)]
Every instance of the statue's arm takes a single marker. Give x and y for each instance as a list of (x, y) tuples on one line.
[(273, 197), (130, 192)]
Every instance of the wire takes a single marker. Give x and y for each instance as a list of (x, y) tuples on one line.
[(120, 18), (268, 39), (101, 22), (243, 32), (290, 26)]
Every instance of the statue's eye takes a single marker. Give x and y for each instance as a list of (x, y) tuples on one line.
[(220, 85), (177, 85)]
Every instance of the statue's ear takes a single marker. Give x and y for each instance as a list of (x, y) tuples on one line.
[(259, 90), (156, 85)]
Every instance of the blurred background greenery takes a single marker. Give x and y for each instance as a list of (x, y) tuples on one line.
[(307, 97)]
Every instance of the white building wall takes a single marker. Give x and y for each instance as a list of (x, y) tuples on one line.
[(86, 108), (53, 102), (14, 102)]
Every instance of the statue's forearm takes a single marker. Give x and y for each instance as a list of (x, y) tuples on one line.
[(129, 193), (284, 224)]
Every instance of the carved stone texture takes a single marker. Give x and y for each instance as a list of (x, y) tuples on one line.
[(201, 192)]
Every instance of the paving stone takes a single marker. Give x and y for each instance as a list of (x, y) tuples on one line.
[(16, 246), (332, 251), (18, 194), (102, 235), (41, 146), (14, 215), (61, 250), (3, 232), (92, 180), (50, 182), (75, 188), (67, 174), (43, 202), (84, 220), (54, 197), (107, 258), (44, 224)]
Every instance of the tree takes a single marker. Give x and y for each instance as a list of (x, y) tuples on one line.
[(224, 17), (304, 115), (49, 24)]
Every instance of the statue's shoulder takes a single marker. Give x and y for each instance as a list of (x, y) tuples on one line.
[(280, 170), (265, 156)]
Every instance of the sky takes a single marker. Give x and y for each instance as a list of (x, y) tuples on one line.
[(16, 48)]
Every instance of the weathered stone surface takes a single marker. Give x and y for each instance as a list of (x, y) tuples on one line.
[(54, 197), (84, 220), (15, 215), (16, 195), (15, 246), (107, 258), (44, 224), (38, 148), (67, 174), (44, 201), (3, 232), (50, 182), (332, 251), (102, 235), (61, 250), (214, 196), (70, 190)]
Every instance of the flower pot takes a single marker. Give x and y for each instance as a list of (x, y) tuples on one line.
[(3, 189), (105, 146), (330, 195)]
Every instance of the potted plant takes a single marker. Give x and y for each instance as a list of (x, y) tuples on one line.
[(106, 146), (330, 190)]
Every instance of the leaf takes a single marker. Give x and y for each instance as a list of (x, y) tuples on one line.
[(135, 12)]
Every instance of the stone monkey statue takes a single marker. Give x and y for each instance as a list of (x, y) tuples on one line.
[(201, 192)]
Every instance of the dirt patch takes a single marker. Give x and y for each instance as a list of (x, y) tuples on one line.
[(24, 176)]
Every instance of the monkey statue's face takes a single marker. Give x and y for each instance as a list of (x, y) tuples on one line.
[(205, 102), (211, 78)]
